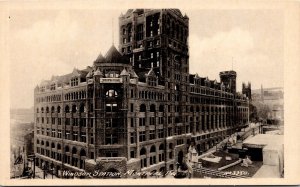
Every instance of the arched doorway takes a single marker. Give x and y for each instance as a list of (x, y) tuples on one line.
[(180, 157)]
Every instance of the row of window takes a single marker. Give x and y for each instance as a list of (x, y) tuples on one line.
[(51, 98), (67, 121), (213, 92), (74, 135)]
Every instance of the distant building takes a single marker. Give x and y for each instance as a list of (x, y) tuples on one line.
[(138, 108), (246, 89), (22, 146), (273, 98)]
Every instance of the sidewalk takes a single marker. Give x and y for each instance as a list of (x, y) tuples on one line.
[(39, 173)]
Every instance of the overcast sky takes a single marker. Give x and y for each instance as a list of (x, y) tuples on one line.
[(52, 42)]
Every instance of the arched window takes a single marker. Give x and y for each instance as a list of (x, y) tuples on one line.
[(52, 109), (47, 144), (143, 151), (67, 149), (37, 141), (82, 152), (74, 109), (67, 109), (58, 146), (143, 108), (47, 109), (197, 109), (58, 109), (37, 110), (152, 108), (52, 145), (111, 93), (161, 147), (74, 150), (170, 145), (161, 108), (42, 109), (42, 142), (152, 149)]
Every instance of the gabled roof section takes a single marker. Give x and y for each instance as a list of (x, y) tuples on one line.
[(124, 72), (98, 72), (79, 73), (151, 73), (114, 56), (133, 74), (100, 59)]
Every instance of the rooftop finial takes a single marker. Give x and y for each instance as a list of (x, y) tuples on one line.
[(112, 26)]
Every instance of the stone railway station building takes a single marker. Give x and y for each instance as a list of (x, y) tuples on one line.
[(137, 107)]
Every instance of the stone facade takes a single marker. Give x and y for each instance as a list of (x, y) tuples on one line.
[(140, 104)]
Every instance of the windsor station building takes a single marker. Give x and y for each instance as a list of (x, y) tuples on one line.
[(137, 107)]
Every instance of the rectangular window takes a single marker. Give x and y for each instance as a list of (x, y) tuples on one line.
[(152, 120), (132, 155), (58, 121), (111, 139), (160, 120), (83, 137), (132, 137), (152, 134), (142, 121), (131, 122), (75, 135), (142, 136), (75, 121), (170, 131), (131, 107), (82, 122), (74, 82), (68, 135), (53, 133), (58, 133), (140, 32), (160, 133), (67, 122)]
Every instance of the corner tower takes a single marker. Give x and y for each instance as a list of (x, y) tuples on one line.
[(228, 78)]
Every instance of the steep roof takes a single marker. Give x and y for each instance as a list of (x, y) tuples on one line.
[(113, 56), (100, 59)]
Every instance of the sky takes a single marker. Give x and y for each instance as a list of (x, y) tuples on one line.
[(47, 42)]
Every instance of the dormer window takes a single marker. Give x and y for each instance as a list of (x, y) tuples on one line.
[(42, 89), (74, 82), (152, 81), (52, 87)]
